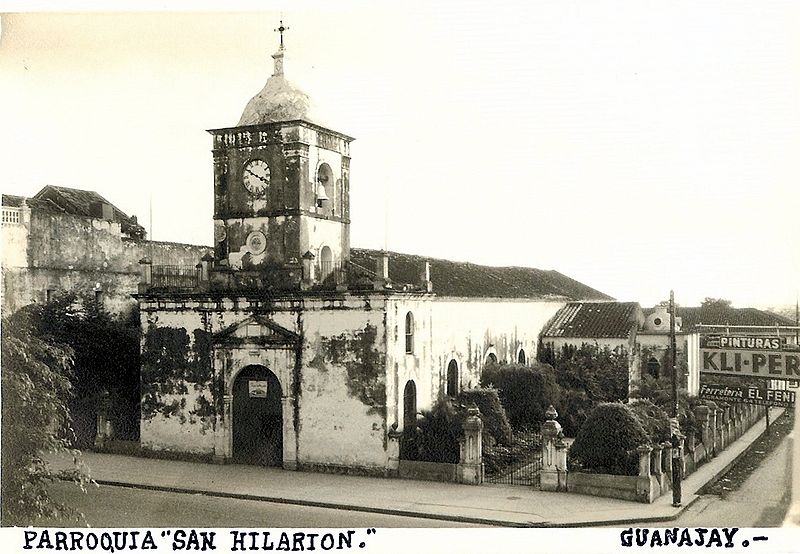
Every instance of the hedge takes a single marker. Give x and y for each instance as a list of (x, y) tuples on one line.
[(654, 420), (607, 441), (496, 428)]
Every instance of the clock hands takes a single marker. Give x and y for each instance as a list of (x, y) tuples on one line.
[(259, 177)]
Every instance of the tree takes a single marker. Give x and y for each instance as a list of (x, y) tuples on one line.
[(106, 361), (525, 392), (602, 373), (715, 303), (35, 420)]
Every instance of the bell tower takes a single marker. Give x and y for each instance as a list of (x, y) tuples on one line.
[(281, 191)]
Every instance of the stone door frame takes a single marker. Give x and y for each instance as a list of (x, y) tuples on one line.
[(231, 354)]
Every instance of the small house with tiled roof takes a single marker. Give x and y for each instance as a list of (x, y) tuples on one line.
[(612, 325)]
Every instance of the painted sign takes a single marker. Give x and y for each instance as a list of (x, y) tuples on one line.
[(748, 395), (257, 389), (746, 356)]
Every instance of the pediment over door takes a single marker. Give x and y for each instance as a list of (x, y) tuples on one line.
[(256, 330)]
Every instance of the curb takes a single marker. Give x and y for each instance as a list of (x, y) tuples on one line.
[(439, 517), (316, 504)]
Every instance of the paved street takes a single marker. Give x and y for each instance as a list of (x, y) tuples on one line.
[(761, 501), (109, 506)]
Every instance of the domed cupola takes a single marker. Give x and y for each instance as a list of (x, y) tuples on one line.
[(279, 100)]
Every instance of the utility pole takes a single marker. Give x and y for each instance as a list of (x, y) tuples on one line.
[(677, 450)]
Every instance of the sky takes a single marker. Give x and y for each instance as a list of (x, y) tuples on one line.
[(635, 146)]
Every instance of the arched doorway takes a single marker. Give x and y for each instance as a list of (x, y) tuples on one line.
[(491, 359), (452, 379), (521, 357), (409, 449), (410, 405), (257, 417)]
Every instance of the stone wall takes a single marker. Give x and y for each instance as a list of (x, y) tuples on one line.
[(64, 252)]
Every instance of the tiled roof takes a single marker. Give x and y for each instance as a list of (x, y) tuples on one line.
[(594, 320), (13, 201), (474, 281), (80, 202), (691, 317)]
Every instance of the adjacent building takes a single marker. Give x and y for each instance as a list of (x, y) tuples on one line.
[(66, 239)]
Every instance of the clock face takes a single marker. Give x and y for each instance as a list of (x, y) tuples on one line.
[(256, 176)]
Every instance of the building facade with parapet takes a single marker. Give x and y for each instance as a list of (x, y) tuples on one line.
[(643, 334), (69, 239), (292, 349)]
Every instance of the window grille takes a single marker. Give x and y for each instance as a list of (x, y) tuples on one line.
[(11, 216)]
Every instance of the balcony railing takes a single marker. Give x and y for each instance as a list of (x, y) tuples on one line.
[(175, 276)]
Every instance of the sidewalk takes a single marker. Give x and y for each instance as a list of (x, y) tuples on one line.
[(503, 505)]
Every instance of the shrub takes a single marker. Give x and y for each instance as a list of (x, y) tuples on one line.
[(573, 408), (654, 420), (496, 428), (437, 434), (525, 392), (607, 441), (601, 372), (659, 392)]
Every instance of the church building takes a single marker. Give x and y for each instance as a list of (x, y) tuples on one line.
[(286, 347)]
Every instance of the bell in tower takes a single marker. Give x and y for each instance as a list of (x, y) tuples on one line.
[(281, 191)]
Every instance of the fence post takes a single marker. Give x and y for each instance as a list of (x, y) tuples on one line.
[(712, 448), (470, 462), (551, 429), (308, 271), (644, 489), (666, 465), (393, 445), (561, 463), (145, 274), (655, 466)]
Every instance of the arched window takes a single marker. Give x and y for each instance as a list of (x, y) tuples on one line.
[(325, 262), (452, 378), (409, 333), (491, 359), (653, 368), (521, 357), (325, 189)]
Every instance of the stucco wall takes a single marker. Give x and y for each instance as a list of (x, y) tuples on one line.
[(336, 392), (342, 402), (460, 329)]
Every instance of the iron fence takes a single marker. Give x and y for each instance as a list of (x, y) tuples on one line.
[(174, 276), (517, 463)]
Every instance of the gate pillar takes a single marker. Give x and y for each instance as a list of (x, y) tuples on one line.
[(551, 454), (470, 462)]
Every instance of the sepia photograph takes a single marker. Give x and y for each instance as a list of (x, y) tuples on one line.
[(313, 275)]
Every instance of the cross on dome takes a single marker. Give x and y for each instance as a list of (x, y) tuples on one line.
[(280, 30)]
